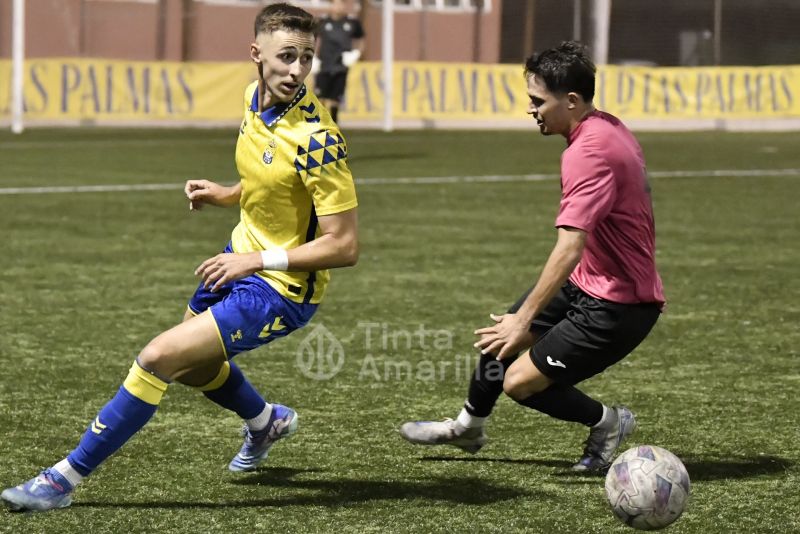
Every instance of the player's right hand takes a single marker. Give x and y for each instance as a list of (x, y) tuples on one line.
[(506, 337), (227, 267)]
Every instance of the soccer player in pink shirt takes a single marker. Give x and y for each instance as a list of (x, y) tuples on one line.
[(599, 293)]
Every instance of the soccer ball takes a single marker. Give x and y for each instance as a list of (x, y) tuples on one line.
[(647, 487)]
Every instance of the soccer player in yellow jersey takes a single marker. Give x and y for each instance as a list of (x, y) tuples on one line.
[(298, 219)]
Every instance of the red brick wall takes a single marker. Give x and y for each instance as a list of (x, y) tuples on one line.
[(188, 30)]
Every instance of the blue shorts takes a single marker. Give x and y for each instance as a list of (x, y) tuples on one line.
[(250, 313)]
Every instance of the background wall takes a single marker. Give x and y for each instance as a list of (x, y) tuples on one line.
[(192, 30)]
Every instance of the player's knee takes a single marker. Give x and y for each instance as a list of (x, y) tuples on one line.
[(519, 385), (515, 386), (154, 358)]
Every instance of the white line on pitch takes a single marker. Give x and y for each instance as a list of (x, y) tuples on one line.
[(26, 145), (87, 189), (423, 180), (715, 173), (737, 173)]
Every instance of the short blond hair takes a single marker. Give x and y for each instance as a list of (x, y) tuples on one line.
[(285, 17)]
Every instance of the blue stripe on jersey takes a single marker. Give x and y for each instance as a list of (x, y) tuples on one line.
[(310, 233)]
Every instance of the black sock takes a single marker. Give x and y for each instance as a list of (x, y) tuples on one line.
[(566, 403), (334, 113), (486, 385)]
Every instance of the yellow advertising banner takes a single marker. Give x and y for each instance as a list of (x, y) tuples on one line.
[(699, 92), (438, 91), (481, 92), (98, 90)]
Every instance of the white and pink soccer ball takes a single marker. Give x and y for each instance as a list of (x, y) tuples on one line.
[(647, 487)]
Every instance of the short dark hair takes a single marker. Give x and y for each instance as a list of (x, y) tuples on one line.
[(286, 17), (564, 69)]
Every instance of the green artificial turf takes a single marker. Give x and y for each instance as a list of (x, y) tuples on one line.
[(89, 278)]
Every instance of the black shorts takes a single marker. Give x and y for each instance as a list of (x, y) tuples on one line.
[(330, 85), (579, 336)]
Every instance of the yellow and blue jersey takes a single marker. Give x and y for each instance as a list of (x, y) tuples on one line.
[(292, 160)]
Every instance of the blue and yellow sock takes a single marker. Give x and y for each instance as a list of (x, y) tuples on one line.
[(231, 390), (123, 416)]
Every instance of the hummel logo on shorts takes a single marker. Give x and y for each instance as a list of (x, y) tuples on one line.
[(555, 363)]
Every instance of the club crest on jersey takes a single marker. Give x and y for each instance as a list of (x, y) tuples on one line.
[(269, 152)]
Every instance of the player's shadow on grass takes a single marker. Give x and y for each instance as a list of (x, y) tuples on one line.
[(341, 491), (563, 468), (559, 464), (699, 468), (295, 489), (702, 469)]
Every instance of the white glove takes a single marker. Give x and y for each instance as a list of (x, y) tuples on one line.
[(316, 64), (350, 57)]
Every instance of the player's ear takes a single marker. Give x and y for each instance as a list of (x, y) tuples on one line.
[(255, 52), (572, 100)]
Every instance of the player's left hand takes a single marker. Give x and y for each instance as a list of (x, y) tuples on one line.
[(227, 267), (508, 336)]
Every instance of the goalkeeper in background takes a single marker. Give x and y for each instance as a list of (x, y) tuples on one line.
[(339, 47)]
